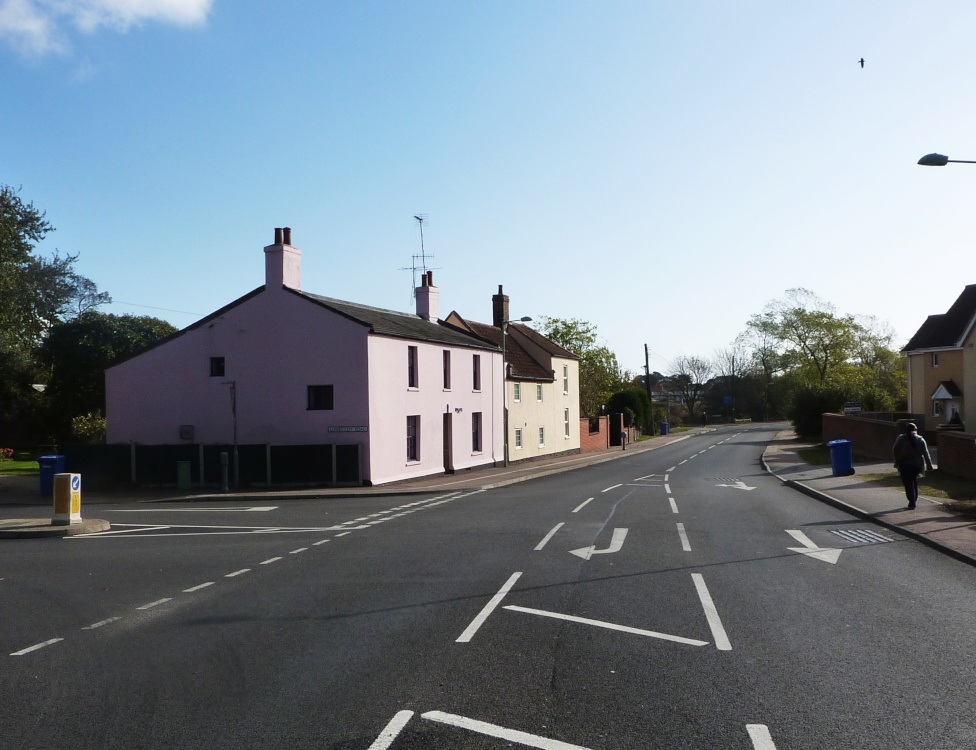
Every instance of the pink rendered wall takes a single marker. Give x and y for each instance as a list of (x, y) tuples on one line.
[(392, 401), (275, 345)]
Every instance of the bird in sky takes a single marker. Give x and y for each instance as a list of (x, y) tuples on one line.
[(862, 62)]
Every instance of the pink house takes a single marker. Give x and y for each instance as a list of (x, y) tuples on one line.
[(284, 367)]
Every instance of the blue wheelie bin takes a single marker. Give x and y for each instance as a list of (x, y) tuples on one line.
[(49, 466), (841, 457), (665, 427)]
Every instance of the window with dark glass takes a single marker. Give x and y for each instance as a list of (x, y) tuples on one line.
[(413, 438), (476, 381), (320, 397), (412, 375), (476, 431), (216, 367), (447, 370)]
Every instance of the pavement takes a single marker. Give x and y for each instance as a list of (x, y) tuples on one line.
[(930, 523)]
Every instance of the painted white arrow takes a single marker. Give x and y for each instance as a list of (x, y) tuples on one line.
[(739, 485), (827, 554), (616, 544)]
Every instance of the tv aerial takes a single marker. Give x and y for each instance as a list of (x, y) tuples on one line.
[(419, 262)]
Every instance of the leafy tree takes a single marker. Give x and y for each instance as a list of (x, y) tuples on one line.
[(600, 373), (632, 401), (77, 353)]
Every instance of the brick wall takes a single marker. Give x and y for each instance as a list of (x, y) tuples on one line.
[(872, 438), (598, 441), (957, 453)]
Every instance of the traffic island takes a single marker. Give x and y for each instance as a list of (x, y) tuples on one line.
[(32, 528)]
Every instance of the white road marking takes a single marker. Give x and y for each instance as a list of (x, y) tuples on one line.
[(36, 647), (548, 536), (606, 625), (739, 485), (197, 588), (674, 505), (612, 488), (101, 623), (322, 541), (491, 730), (296, 551), (649, 476), (242, 571), (389, 734), (344, 533), (247, 509), (810, 549), (616, 544), (139, 527), (682, 462), (582, 505), (478, 621), (669, 471), (683, 535), (667, 488), (760, 736), (722, 642), (270, 560), (156, 603)]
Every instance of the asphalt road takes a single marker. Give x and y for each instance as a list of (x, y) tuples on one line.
[(679, 598)]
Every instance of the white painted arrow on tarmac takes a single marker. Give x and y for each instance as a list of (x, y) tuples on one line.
[(827, 554), (739, 485), (616, 544)]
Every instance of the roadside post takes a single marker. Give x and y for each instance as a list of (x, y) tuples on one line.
[(67, 499)]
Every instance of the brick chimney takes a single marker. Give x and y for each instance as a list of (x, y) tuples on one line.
[(499, 308), (282, 262), (428, 298)]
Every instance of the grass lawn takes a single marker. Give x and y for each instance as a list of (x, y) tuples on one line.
[(19, 468)]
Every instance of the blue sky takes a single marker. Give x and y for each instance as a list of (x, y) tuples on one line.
[(660, 170)]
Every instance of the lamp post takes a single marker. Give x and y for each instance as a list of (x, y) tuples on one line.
[(525, 319), (233, 410), (939, 160)]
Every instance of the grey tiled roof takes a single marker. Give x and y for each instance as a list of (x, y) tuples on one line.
[(948, 329), (398, 324)]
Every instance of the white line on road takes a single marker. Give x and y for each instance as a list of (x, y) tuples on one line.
[(722, 642), (246, 509), (512, 735), (674, 505), (760, 736), (548, 536), (582, 505), (607, 625), (667, 488), (682, 462), (612, 488), (242, 571), (35, 647), (323, 541), (271, 560), (155, 603), (101, 623), (389, 734), (296, 551), (668, 472), (197, 588), (344, 533), (478, 621), (683, 535)]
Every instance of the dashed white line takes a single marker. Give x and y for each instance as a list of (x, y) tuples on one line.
[(323, 541), (683, 462), (478, 621), (667, 488), (156, 603), (270, 560), (392, 730), (242, 571), (197, 588), (491, 730), (612, 488), (35, 647), (548, 536), (674, 505), (669, 471), (296, 551), (582, 505), (101, 623), (683, 535), (760, 736), (722, 642), (344, 533)]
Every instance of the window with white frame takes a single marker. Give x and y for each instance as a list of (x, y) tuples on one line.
[(413, 437), (936, 408), (517, 392), (935, 359), (566, 379), (413, 377), (538, 392), (447, 370), (476, 431), (518, 438), (542, 437), (566, 421), (476, 372)]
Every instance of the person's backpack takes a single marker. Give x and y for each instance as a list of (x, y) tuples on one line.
[(906, 449)]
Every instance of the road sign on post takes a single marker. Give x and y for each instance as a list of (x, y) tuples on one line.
[(67, 499)]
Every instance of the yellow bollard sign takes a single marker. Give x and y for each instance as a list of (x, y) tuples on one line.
[(67, 499)]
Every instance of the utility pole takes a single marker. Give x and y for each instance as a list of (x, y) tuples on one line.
[(647, 385)]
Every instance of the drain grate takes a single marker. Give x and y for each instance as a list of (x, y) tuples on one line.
[(862, 536)]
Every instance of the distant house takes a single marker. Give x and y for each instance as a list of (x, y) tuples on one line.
[(404, 394), (942, 364), (541, 384)]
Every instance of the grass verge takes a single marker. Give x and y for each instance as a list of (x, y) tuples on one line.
[(19, 468)]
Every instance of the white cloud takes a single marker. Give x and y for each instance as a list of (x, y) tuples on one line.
[(36, 27)]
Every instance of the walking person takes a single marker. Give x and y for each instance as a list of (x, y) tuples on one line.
[(911, 454)]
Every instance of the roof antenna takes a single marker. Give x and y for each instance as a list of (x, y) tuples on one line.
[(422, 258)]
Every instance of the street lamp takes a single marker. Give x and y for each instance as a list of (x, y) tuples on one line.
[(233, 410), (939, 160), (525, 319)]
